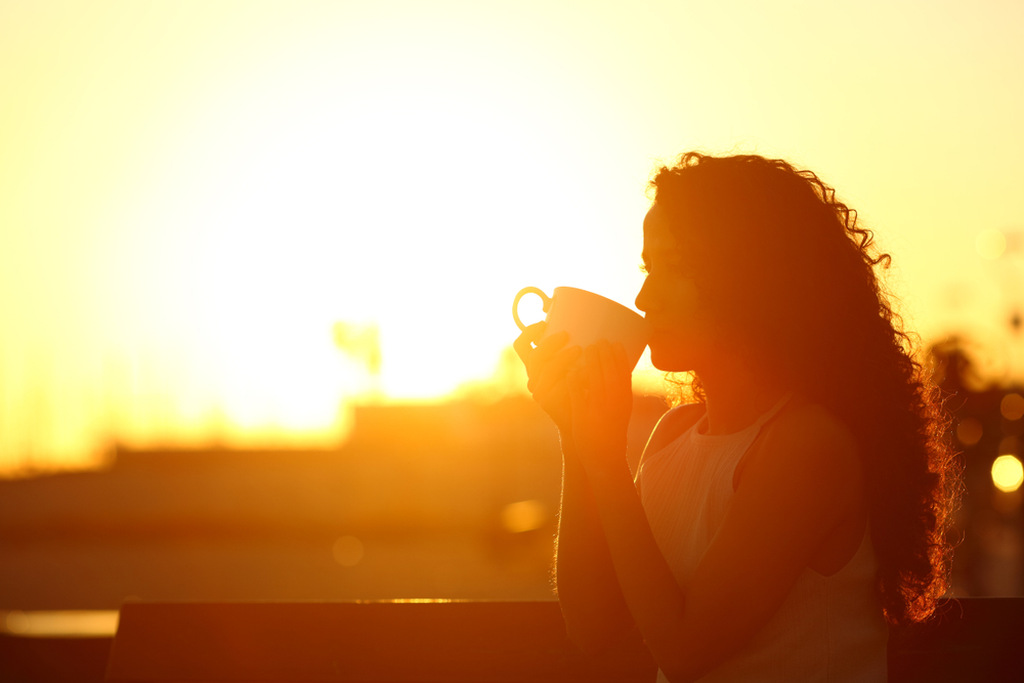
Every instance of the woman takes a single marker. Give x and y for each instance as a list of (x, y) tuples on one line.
[(780, 522)]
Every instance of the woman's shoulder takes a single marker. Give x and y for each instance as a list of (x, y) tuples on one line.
[(805, 421), (672, 424), (806, 437)]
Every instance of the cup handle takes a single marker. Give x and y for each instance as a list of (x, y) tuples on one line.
[(523, 292)]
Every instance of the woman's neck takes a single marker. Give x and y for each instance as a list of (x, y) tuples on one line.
[(735, 397)]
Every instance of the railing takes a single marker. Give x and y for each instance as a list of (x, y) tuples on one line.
[(357, 641), (975, 639)]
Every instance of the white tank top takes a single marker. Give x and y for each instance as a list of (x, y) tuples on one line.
[(828, 628)]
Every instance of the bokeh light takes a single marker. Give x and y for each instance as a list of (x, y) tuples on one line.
[(59, 623), (524, 515), (990, 243), (1007, 473), (1012, 406), (348, 551), (969, 431)]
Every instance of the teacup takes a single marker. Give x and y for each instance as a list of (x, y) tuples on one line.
[(589, 318)]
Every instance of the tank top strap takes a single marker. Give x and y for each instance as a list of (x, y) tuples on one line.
[(763, 420)]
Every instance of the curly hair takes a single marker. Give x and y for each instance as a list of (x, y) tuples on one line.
[(780, 260)]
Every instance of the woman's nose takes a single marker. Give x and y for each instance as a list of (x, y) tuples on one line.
[(644, 299)]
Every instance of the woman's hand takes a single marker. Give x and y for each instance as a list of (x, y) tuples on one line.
[(601, 400), (548, 362)]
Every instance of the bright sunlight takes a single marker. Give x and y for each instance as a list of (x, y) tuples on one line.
[(247, 198), (229, 222)]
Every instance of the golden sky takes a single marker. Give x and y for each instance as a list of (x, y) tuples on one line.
[(193, 193)]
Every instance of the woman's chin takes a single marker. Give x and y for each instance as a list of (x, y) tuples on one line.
[(668, 362)]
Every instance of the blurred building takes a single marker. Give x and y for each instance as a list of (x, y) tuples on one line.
[(452, 500)]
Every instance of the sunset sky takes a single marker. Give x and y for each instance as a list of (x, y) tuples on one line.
[(198, 200)]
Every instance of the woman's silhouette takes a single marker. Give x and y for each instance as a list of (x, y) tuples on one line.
[(799, 503)]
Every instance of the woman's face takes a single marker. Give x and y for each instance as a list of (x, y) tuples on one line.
[(682, 338)]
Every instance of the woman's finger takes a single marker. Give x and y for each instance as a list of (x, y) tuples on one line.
[(607, 356), (559, 395), (544, 375), (544, 352), (595, 373), (621, 360), (549, 346), (576, 384), (524, 343), (620, 367)]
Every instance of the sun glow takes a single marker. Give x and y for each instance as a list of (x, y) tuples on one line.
[(341, 206), (194, 196), (237, 216)]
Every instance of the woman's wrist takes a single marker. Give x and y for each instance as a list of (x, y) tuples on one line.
[(608, 474)]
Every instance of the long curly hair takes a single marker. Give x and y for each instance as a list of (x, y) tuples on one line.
[(780, 261)]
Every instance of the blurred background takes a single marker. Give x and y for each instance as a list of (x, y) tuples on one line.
[(257, 261)]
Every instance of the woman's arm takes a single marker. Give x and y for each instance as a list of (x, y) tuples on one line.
[(595, 614), (800, 484)]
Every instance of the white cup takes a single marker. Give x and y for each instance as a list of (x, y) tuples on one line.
[(589, 318)]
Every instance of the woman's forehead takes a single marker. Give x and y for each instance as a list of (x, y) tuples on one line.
[(658, 235)]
